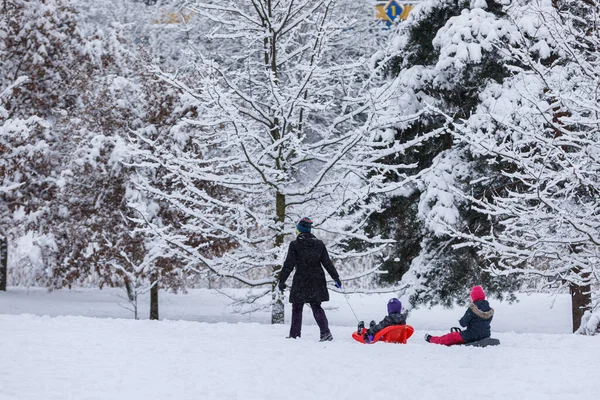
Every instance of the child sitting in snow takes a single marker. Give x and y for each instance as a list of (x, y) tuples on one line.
[(477, 320), (394, 317)]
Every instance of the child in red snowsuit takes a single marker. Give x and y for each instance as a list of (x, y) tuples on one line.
[(477, 320)]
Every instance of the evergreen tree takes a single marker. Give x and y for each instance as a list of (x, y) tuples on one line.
[(442, 56), (540, 127)]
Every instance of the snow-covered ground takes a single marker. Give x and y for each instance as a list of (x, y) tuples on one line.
[(83, 345)]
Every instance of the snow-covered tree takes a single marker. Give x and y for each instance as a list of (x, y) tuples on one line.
[(40, 42), (69, 214), (285, 126), (18, 146), (100, 237), (441, 57), (541, 127)]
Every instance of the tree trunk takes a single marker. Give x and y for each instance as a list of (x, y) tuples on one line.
[(3, 263), (278, 310), (270, 60), (154, 299), (129, 288), (581, 301)]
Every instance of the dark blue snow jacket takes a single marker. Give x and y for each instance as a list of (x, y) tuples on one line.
[(389, 320), (477, 320)]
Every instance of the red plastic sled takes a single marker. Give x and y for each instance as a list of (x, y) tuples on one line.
[(391, 334)]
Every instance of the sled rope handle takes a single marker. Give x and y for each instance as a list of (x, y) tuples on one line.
[(350, 305)]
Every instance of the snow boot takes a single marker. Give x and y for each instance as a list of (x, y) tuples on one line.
[(326, 337), (361, 326), (372, 324), (428, 338)]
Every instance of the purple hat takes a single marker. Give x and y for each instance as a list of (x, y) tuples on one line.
[(394, 306)]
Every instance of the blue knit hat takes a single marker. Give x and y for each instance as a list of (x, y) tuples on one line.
[(394, 306), (304, 225)]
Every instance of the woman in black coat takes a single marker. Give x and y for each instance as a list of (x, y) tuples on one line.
[(308, 255)]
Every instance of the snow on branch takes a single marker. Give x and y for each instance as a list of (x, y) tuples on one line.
[(283, 126)]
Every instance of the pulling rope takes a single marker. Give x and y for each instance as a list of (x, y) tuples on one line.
[(349, 305)]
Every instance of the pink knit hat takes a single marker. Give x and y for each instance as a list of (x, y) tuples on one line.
[(477, 293)]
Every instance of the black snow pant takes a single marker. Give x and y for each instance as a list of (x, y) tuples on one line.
[(318, 313)]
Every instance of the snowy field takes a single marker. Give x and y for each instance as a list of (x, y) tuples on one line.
[(84, 345)]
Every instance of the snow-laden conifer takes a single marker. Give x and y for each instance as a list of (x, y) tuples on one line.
[(541, 126), (441, 58)]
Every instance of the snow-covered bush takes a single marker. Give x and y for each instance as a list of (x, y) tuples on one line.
[(590, 324)]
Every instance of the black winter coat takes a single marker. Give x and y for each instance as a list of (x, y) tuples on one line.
[(477, 319), (389, 320), (308, 255)]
